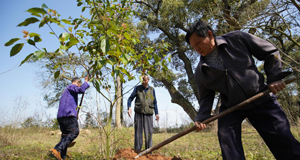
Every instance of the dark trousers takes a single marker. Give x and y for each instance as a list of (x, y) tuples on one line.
[(142, 122), (70, 130), (270, 122)]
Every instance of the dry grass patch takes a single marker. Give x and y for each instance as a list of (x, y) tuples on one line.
[(35, 143)]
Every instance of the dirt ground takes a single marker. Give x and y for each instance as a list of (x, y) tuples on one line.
[(129, 154)]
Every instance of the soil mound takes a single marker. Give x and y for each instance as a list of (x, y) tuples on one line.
[(129, 154)]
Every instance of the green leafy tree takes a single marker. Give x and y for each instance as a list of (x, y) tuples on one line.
[(30, 122), (102, 46), (55, 124), (89, 121)]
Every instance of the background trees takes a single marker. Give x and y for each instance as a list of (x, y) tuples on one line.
[(276, 21)]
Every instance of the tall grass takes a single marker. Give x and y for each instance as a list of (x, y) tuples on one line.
[(35, 143)]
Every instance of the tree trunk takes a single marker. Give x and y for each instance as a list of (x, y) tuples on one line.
[(119, 102), (189, 71), (176, 96), (122, 107)]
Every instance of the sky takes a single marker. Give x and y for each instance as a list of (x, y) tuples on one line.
[(20, 90)]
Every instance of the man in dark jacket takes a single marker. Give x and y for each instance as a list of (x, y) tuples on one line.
[(145, 104), (227, 66), (67, 116)]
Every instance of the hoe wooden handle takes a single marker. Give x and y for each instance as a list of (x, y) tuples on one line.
[(78, 109)]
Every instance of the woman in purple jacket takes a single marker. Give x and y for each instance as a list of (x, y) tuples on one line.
[(67, 116), (227, 66)]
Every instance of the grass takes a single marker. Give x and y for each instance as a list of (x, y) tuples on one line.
[(35, 143)]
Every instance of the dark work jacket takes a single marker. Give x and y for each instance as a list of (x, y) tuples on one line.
[(240, 79), (145, 100)]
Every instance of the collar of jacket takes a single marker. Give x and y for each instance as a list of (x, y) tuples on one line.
[(220, 40)]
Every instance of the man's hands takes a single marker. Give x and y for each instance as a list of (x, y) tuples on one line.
[(157, 117), (87, 78), (129, 112), (277, 86), (200, 126)]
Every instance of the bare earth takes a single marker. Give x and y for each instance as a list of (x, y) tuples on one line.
[(129, 154)]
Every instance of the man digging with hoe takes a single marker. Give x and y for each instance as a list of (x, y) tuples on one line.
[(227, 66), (67, 116)]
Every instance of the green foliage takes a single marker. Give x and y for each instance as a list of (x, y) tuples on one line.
[(30, 122), (16, 49), (90, 121), (10, 42), (102, 45), (54, 123), (106, 40), (28, 21)]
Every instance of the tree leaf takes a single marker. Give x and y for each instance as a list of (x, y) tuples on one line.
[(31, 42), (73, 41), (156, 57), (45, 50), (28, 21), (96, 21), (37, 39), (16, 49), (127, 36), (44, 6), (64, 36), (66, 21), (97, 86), (39, 54), (43, 22), (104, 45), (62, 26), (35, 14), (11, 41), (103, 61), (99, 66), (32, 34), (170, 58), (123, 60), (141, 78), (56, 74), (37, 10), (127, 56), (26, 59), (79, 4), (64, 47), (112, 60), (54, 20)]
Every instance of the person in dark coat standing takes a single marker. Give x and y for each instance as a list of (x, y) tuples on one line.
[(67, 116), (227, 66), (145, 106)]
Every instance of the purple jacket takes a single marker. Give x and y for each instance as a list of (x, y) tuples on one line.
[(69, 100), (240, 78)]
